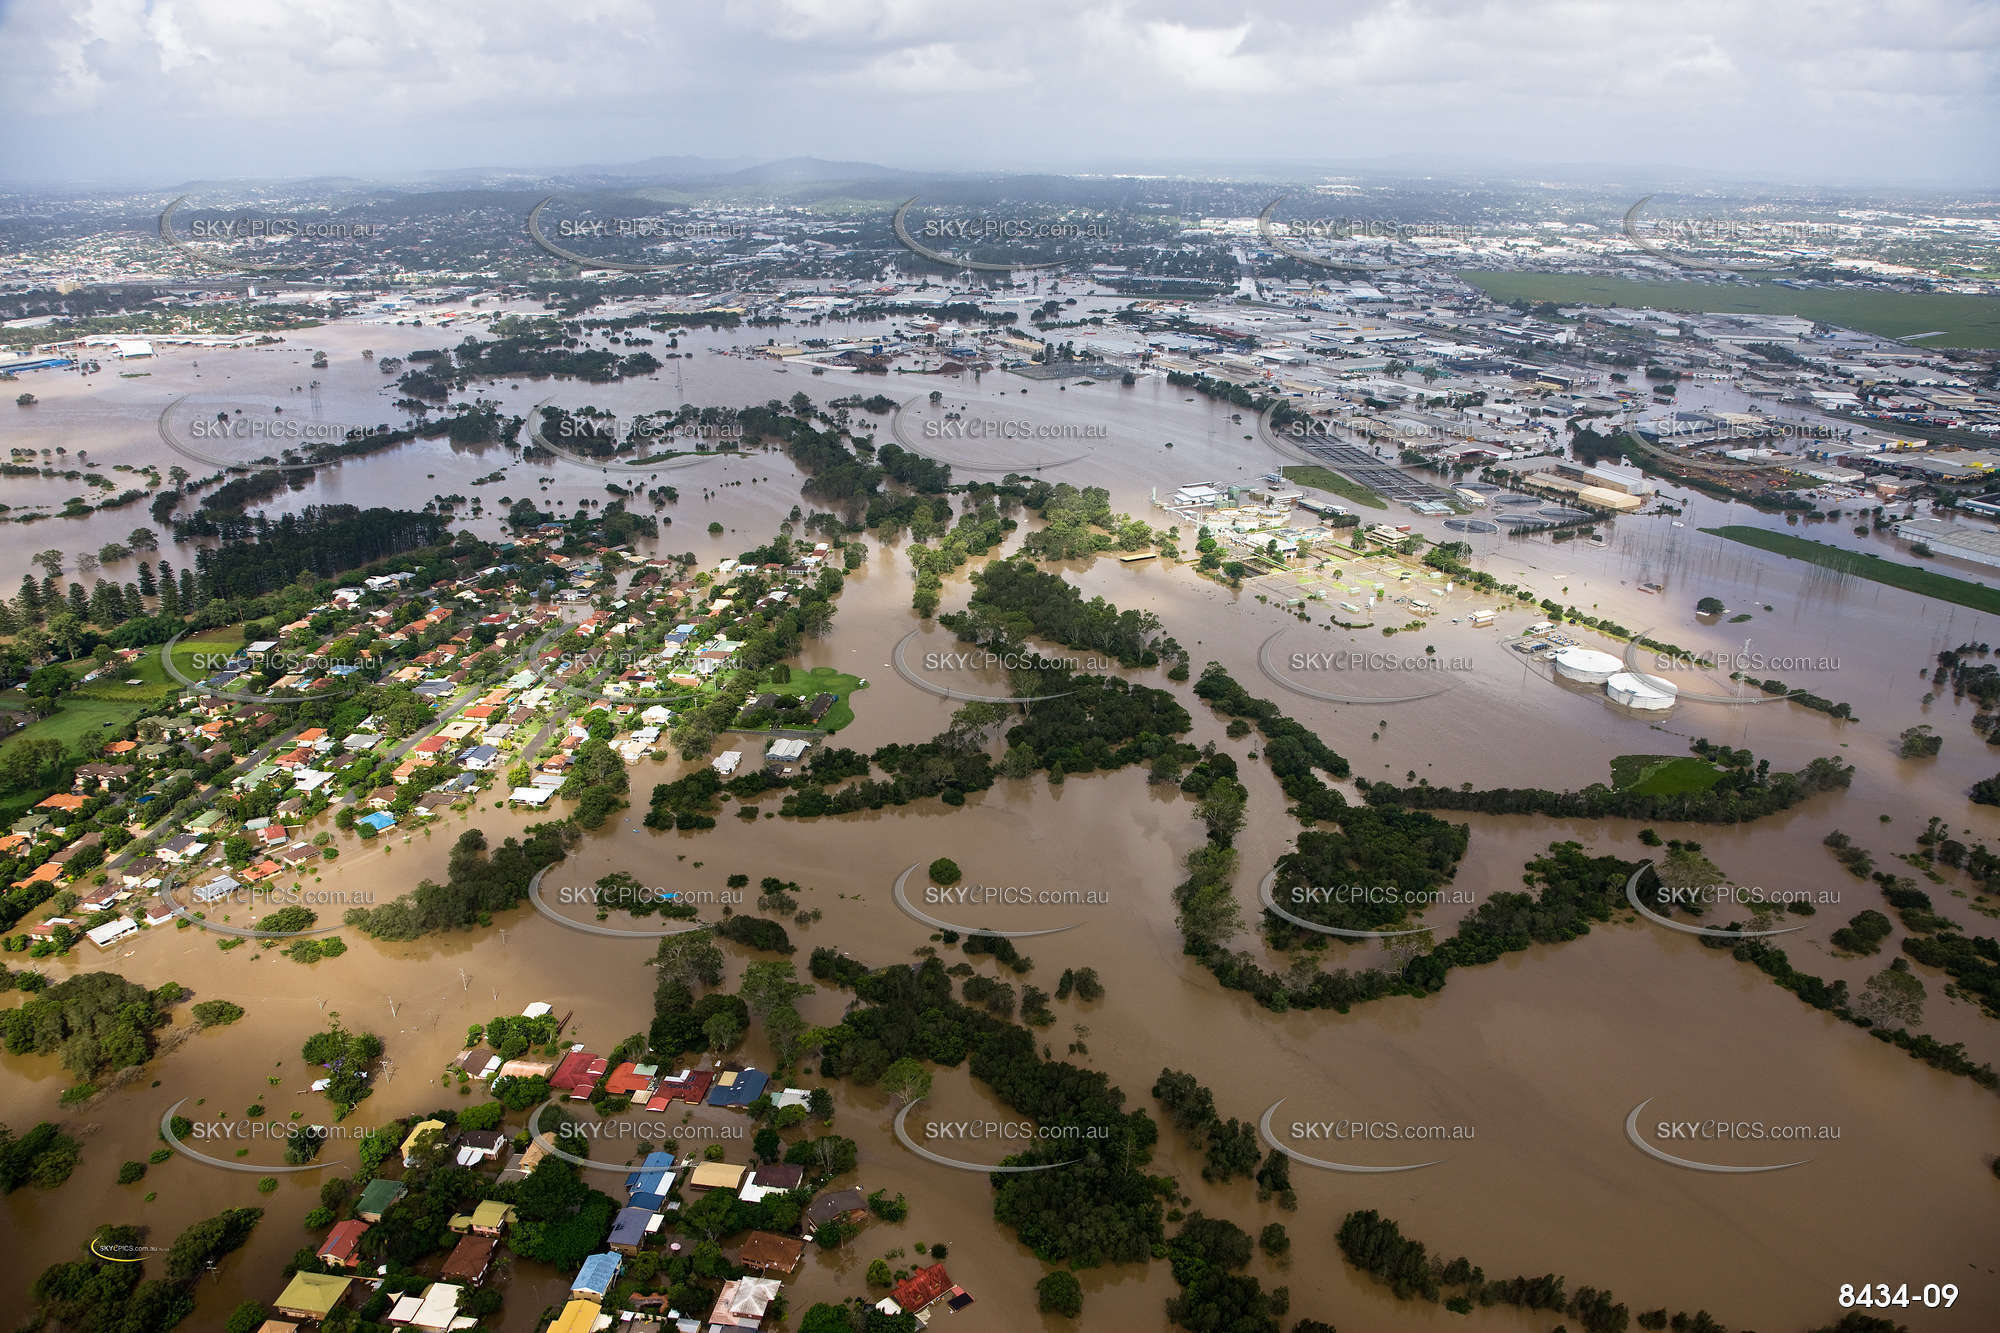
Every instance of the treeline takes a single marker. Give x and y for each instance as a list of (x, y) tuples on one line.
[(1077, 524), (1230, 1147), (1013, 599), (1229, 392), (1208, 1256), (1741, 794), (1378, 1247), (259, 554), (978, 531), (476, 885), (94, 1021), (1100, 1209), (934, 768), (1575, 890), (1973, 963), (240, 580), (833, 471), (89, 1295), (439, 374), (1095, 724), (1804, 698), (1407, 852), (1291, 748)]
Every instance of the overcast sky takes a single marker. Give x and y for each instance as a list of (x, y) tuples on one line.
[(152, 92)]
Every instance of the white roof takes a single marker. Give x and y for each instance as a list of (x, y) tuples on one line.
[(111, 930), (439, 1307), (532, 795)]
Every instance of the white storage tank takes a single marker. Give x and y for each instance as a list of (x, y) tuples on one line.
[(1637, 691), (1587, 665)]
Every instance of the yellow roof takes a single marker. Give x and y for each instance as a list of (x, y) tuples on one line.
[(488, 1213), (419, 1128), (314, 1294), (717, 1175), (577, 1317)]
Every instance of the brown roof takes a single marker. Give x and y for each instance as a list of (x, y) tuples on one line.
[(469, 1259), (769, 1252)]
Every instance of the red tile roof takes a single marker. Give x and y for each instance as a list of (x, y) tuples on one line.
[(575, 1069), (920, 1288), (692, 1092), (343, 1242), (624, 1080)]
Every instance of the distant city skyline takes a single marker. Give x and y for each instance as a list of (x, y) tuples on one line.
[(123, 93)]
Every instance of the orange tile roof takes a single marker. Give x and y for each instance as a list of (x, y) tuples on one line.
[(920, 1288), (62, 800)]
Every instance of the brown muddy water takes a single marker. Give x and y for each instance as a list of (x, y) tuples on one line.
[(1541, 1055)]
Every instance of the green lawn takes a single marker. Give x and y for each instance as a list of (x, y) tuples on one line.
[(1965, 321), (1326, 479), (1910, 578), (85, 712), (155, 684), (1663, 774), (824, 680)]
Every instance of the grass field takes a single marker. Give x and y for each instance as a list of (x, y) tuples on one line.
[(1965, 321), (100, 707), (1326, 479), (154, 683), (1910, 578), (1662, 774), (825, 680)]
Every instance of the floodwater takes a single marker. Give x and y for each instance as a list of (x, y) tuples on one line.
[(1542, 1054)]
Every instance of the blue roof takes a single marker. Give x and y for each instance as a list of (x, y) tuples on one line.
[(599, 1273), (378, 821), (651, 1176), (747, 1087), (650, 1200), (629, 1229)]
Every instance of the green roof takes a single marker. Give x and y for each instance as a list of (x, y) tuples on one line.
[(377, 1197)]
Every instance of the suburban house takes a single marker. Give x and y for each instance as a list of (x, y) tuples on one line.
[(597, 1276), (716, 1176), (435, 1128), (489, 1217), (343, 1243), (376, 1198), (924, 1288), (848, 1205), (742, 1303), (772, 1178), (768, 1252), (312, 1296), (469, 1260)]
